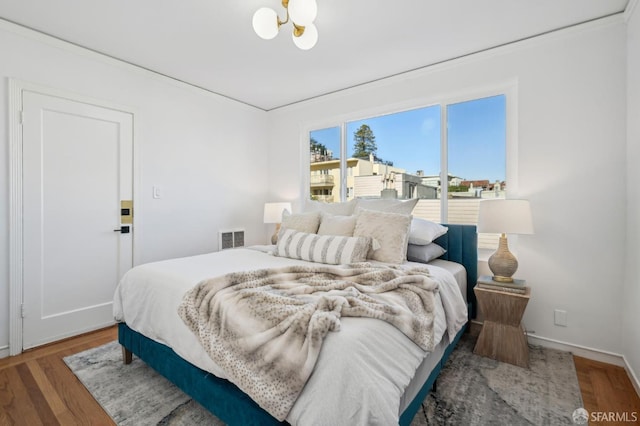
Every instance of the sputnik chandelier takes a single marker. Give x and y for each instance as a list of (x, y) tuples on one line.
[(266, 22)]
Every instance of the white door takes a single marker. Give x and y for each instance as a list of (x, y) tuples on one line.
[(77, 167)]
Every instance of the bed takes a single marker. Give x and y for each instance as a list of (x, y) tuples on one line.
[(170, 352)]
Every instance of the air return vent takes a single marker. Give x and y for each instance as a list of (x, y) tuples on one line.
[(230, 238)]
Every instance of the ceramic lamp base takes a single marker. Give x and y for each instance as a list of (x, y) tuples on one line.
[(502, 263), (274, 237)]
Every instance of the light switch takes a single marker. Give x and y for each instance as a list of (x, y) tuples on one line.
[(157, 191)]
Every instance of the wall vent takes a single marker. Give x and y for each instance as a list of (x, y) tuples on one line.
[(230, 238)]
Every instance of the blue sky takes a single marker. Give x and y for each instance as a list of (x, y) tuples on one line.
[(411, 139)]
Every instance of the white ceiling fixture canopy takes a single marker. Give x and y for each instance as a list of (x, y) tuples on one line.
[(302, 13)]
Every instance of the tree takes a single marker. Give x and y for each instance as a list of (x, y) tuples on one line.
[(317, 147), (364, 142), (458, 188)]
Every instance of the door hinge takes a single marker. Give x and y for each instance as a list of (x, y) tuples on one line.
[(22, 310), (21, 117)]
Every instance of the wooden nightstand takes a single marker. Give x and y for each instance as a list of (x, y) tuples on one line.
[(502, 336)]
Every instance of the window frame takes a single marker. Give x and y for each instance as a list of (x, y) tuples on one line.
[(508, 89)]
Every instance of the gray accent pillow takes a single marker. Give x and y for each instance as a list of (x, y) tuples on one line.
[(329, 249), (424, 253)]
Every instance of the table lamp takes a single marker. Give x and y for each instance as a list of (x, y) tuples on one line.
[(273, 214), (504, 217)]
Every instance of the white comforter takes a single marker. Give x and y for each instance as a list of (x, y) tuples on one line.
[(148, 297)]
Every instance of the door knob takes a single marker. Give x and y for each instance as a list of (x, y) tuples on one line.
[(123, 229)]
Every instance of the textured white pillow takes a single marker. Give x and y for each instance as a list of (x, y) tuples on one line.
[(390, 205), (331, 224), (424, 253), (390, 230), (343, 209), (424, 231), (304, 222), (330, 249)]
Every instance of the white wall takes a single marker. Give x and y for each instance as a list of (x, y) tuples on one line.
[(197, 146), (631, 320), (570, 163)]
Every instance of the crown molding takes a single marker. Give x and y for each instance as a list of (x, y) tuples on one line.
[(85, 52), (469, 58)]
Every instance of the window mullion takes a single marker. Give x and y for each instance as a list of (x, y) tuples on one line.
[(444, 166), (343, 161)]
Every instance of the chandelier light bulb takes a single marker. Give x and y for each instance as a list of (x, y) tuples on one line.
[(303, 12), (265, 23), (308, 39)]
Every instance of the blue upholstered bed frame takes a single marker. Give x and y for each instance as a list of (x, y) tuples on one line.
[(461, 244), (233, 406)]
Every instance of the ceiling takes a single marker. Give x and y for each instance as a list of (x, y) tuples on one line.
[(211, 43)]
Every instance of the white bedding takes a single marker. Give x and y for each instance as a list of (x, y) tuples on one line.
[(148, 296)]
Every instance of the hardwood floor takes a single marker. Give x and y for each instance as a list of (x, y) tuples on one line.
[(37, 388), (607, 392)]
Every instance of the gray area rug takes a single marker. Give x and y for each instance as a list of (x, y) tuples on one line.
[(471, 390)]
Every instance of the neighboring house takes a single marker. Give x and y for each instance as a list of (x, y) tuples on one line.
[(325, 183), (434, 180)]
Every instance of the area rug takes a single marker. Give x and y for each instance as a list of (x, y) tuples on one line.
[(471, 390)]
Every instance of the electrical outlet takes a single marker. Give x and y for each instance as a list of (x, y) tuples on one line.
[(560, 318)]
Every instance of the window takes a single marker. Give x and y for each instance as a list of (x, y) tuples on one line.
[(476, 143), (391, 152), (324, 160), (409, 155)]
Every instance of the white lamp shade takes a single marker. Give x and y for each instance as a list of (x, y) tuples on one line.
[(308, 39), (265, 23), (505, 216), (303, 12), (273, 211)]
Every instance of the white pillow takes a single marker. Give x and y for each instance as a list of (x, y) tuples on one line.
[(344, 209), (424, 231), (330, 249), (390, 205), (424, 253), (304, 222), (390, 230), (331, 224)]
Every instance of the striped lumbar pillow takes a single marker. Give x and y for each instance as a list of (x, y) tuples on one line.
[(330, 249)]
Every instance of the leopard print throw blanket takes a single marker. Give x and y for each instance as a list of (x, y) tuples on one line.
[(265, 328)]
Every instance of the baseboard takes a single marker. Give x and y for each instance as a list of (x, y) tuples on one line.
[(632, 375), (4, 351), (583, 351)]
